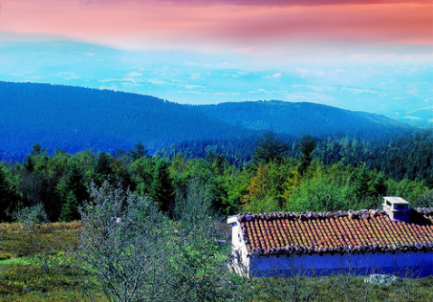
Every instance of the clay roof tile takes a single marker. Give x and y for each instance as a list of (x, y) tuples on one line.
[(274, 233)]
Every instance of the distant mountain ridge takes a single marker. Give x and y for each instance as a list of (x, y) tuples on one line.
[(299, 118), (194, 77), (74, 118)]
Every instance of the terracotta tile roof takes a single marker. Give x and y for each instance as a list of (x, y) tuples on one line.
[(373, 230)]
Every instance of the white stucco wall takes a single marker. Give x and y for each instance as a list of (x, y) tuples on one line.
[(411, 264), (240, 260)]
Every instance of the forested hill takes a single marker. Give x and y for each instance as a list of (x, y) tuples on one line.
[(73, 118), (299, 118)]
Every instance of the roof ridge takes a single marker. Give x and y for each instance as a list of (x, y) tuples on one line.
[(327, 214), (308, 232)]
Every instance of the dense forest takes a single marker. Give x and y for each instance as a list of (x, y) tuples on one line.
[(310, 175), (400, 156), (349, 159), (74, 119), (299, 118)]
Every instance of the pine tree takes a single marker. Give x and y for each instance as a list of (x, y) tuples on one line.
[(161, 189), (429, 181), (103, 167), (138, 152), (361, 184), (216, 161), (74, 183), (269, 148), (70, 209), (29, 163), (37, 149), (306, 146), (5, 195), (380, 185)]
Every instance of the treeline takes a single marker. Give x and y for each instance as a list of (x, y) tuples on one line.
[(270, 181), (400, 156)]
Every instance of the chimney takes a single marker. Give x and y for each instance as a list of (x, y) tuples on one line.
[(396, 208)]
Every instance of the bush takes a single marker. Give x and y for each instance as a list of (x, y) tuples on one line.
[(202, 272), (129, 256), (30, 216), (136, 253)]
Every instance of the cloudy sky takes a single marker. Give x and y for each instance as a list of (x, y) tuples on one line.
[(222, 24), (233, 50)]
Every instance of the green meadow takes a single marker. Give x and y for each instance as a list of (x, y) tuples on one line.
[(39, 264)]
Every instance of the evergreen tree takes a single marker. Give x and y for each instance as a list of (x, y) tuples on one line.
[(74, 183), (138, 151), (429, 181), (306, 146), (380, 186), (37, 149), (161, 189), (119, 153), (29, 163), (103, 167), (269, 148), (69, 209), (124, 178), (216, 161), (361, 188), (5, 195)]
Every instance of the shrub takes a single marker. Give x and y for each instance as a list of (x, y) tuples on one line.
[(30, 216), (129, 257), (136, 253)]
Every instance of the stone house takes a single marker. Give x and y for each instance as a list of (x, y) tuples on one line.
[(395, 240)]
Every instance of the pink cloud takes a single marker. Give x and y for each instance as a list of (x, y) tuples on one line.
[(267, 2), (216, 22)]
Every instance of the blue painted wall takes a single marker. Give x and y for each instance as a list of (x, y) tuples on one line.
[(410, 264)]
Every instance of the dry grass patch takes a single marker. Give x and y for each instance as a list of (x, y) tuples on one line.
[(16, 242), (46, 227)]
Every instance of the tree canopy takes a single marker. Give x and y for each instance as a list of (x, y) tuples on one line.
[(269, 148)]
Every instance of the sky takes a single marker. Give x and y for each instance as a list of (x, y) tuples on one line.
[(350, 54), (212, 25)]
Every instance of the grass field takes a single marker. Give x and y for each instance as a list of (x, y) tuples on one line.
[(39, 265), (36, 264)]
